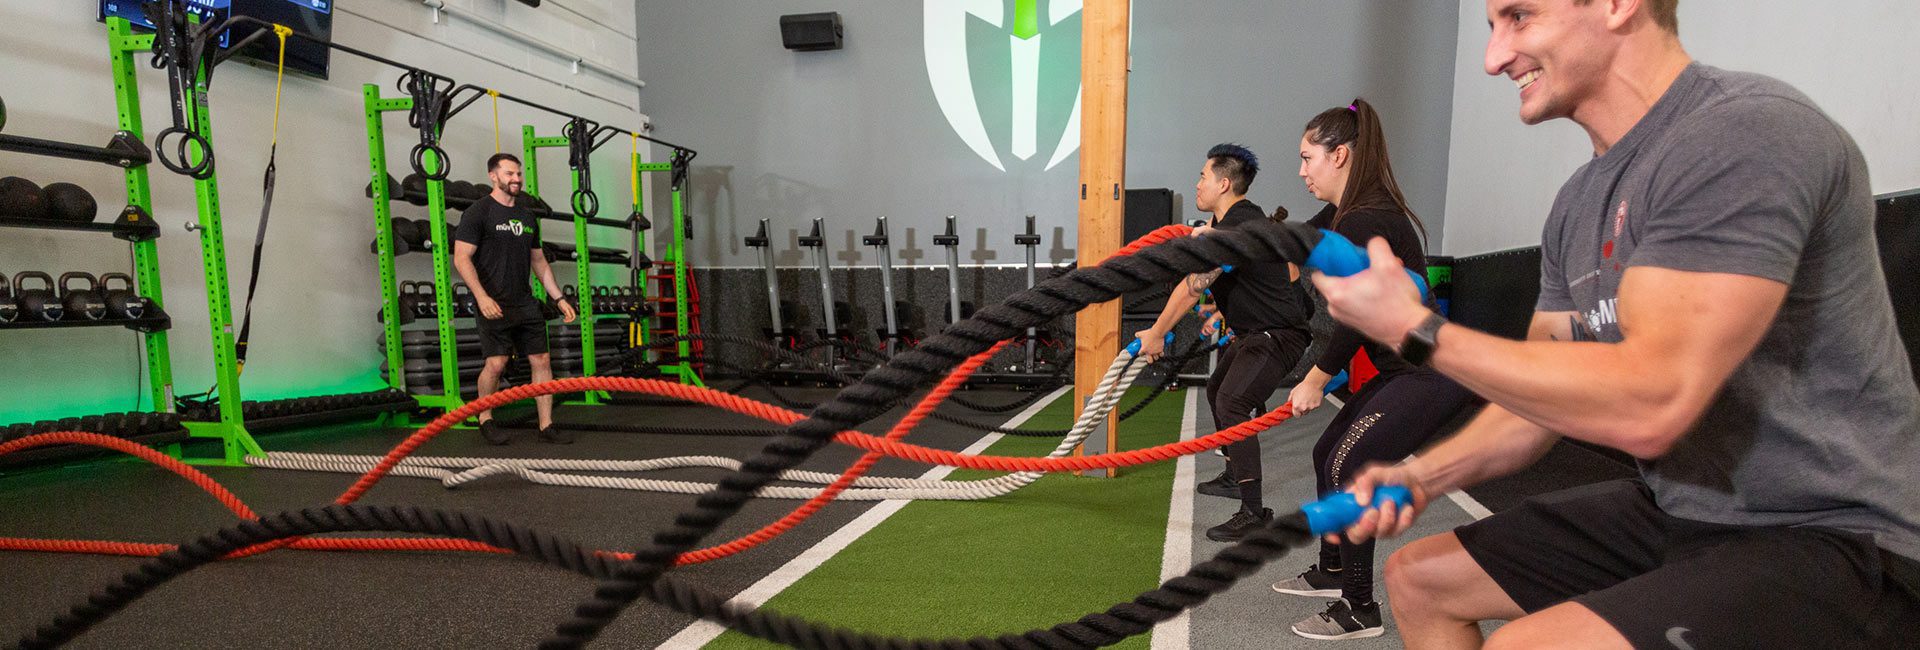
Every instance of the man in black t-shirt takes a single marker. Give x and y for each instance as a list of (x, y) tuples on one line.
[(496, 246), (1263, 304)]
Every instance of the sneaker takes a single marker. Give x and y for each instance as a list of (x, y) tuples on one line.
[(494, 433), (1311, 582), (1239, 525), (1220, 486), (556, 435), (1342, 621)]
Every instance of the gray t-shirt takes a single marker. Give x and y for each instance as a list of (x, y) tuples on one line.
[(1739, 173)]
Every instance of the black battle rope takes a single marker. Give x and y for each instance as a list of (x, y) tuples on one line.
[(1093, 630), (623, 583), (880, 388)]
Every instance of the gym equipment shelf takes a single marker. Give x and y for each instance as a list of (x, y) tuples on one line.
[(133, 230), (230, 429), (150, 324), (126, 151)]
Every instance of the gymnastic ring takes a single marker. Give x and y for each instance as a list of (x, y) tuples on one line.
[(199, 171), (586, 203), (419, 161)]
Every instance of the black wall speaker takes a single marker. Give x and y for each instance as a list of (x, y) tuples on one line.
[(811, 32)]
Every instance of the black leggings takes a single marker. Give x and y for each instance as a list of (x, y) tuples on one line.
[(1248, 373), (1389, 419)]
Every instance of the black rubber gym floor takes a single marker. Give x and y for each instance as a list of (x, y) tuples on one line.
[(401, 600)]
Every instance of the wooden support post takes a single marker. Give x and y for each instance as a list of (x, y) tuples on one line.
[(1103, 171)]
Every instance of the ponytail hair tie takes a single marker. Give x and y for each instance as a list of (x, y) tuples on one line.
[(1352, 107)]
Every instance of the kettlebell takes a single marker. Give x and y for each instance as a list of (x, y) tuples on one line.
[(85, 302), (123, 303), (605, 300), (37, 304), (404, 311), (464, 303), (9, 309), (424, 305), (409, 301)]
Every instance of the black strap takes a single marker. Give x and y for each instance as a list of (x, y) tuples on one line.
[(253, 275)]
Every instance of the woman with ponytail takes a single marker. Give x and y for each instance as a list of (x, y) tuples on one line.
[(1343, 159)]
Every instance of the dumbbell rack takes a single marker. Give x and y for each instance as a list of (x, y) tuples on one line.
[(136, 226), (583, 264), (449, 398), (636, 260)]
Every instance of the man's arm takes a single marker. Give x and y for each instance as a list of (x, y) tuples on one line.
[(543, 271), (1181, 299), (1179, 302), (1496, 442), (463, 263), (1684, 333)]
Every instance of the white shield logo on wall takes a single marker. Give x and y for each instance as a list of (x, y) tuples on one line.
[(950, 68)]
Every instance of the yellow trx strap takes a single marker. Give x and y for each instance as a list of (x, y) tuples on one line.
[(279, 75), (495, 94), (266, 205)]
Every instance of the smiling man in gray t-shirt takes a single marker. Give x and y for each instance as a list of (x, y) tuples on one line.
[(1712, 303)]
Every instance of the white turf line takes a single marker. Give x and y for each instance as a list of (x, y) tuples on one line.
[(1176, 555), (700, 632)]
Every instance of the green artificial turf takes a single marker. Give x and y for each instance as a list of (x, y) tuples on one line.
[(1052, 552)]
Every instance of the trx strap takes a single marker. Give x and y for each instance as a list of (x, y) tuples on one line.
[(266, 205), (495, 94)]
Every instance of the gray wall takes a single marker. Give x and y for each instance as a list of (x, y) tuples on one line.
[(1855, 58), (853, 134), (313, 325)]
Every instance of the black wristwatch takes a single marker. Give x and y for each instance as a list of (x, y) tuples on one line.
[(1418, 346)]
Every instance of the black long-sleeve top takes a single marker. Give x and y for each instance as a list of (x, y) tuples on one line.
[(1361, 226)]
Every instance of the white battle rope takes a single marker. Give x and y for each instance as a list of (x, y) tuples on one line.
[(454, 472)]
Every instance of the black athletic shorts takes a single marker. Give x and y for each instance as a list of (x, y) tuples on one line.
[(1666, 582), (519, 329)]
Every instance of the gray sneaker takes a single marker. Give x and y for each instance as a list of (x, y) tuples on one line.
[(1341, 622), (1311, 582)]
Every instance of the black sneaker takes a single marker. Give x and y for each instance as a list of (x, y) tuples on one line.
[(556, 435), (1342, 621), (1311, 582), (494, 433), (1220, 486), (1239, 525)]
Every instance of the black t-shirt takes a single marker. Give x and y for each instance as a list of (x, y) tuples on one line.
[(1362, 225), (1259, 296), (504, 235)]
